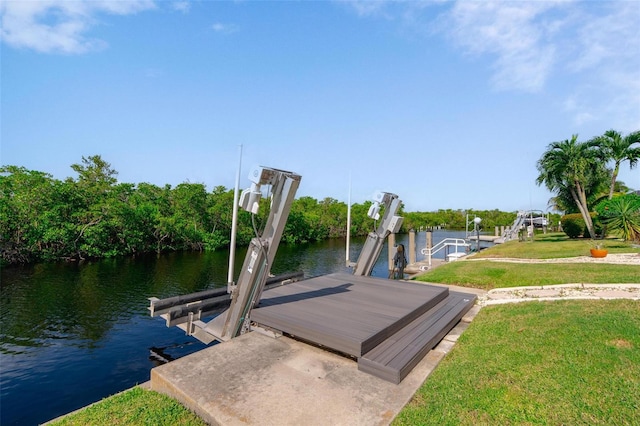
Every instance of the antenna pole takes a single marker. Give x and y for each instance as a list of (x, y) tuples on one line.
[(234, 225), (348, 223)]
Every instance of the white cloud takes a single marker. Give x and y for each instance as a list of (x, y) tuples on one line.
[(603, 56), (607, 33), (518, 34), (586, 50), (365, 7), (224, 28), (593, 46), (182, 6), (59, 26)]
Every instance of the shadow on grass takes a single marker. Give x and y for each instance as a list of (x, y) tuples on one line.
[(553, 237)]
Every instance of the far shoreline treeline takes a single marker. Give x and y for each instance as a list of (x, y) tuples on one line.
[(94, 216)]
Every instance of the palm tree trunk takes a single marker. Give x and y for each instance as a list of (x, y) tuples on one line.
[(616, 169), (581, 201)]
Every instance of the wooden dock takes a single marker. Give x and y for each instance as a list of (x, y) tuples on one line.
[(488, 238), (389, 326)]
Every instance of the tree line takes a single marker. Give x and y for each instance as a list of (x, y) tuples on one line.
[(583, 175), (94, 216)]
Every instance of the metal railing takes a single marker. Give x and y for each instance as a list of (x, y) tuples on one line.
[(446, 244)]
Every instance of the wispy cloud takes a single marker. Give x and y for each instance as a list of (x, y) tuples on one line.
[(182, 6), (603, 53), (59, 26), (518, 35), (591, 47), (222, 28), (365, 7)]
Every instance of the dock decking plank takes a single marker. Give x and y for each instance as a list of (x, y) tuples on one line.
[(388, 325), (395, 358), (351, 314)]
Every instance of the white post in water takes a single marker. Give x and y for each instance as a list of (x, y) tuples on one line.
[(412, 246), (391, 243), (234, 225), (429, 237), (347, 261)]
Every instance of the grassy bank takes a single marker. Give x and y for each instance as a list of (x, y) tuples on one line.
[(565, 362), (137, 406), (553, 245), (487, 274), (490, 274)]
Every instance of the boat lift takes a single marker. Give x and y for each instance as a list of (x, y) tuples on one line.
[(390, 223), (525, 220), (246, 294), (188, 311)]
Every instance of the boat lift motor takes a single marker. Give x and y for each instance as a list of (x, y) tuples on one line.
[(390, 223)]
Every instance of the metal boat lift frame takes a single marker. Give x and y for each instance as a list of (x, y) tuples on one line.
[(188, 311)]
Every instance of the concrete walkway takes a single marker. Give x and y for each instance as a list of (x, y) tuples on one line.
[(579, 291), (564, 291)]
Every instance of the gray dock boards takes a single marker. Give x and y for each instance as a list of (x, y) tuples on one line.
[(393, 359), (388, 325), (347, 313)]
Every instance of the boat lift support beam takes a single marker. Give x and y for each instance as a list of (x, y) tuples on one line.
[(186, 311), (261, 252), (390, 223)]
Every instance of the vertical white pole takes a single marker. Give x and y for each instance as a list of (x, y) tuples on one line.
[(234, 225), (348, 223), (466, 226), (533, 228)]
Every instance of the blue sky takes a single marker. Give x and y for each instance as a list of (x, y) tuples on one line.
[(447, 104)]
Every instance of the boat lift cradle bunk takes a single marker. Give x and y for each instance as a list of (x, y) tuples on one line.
[(387, 325)]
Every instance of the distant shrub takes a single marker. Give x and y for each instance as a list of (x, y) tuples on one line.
[(573, 225)]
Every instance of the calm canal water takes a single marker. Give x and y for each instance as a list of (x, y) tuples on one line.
[(72, 334)]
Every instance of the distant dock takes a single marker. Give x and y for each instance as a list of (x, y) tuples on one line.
[(488, 238)]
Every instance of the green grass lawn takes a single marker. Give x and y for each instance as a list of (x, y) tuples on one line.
[(563, 362), (491, 274), (554, 245), (134, 407), (488, 274)]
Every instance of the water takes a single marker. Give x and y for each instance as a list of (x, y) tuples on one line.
[(72, 334)]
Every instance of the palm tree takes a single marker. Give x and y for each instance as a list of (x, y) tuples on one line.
[(622, 215), (573, 167), (619, 149)]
